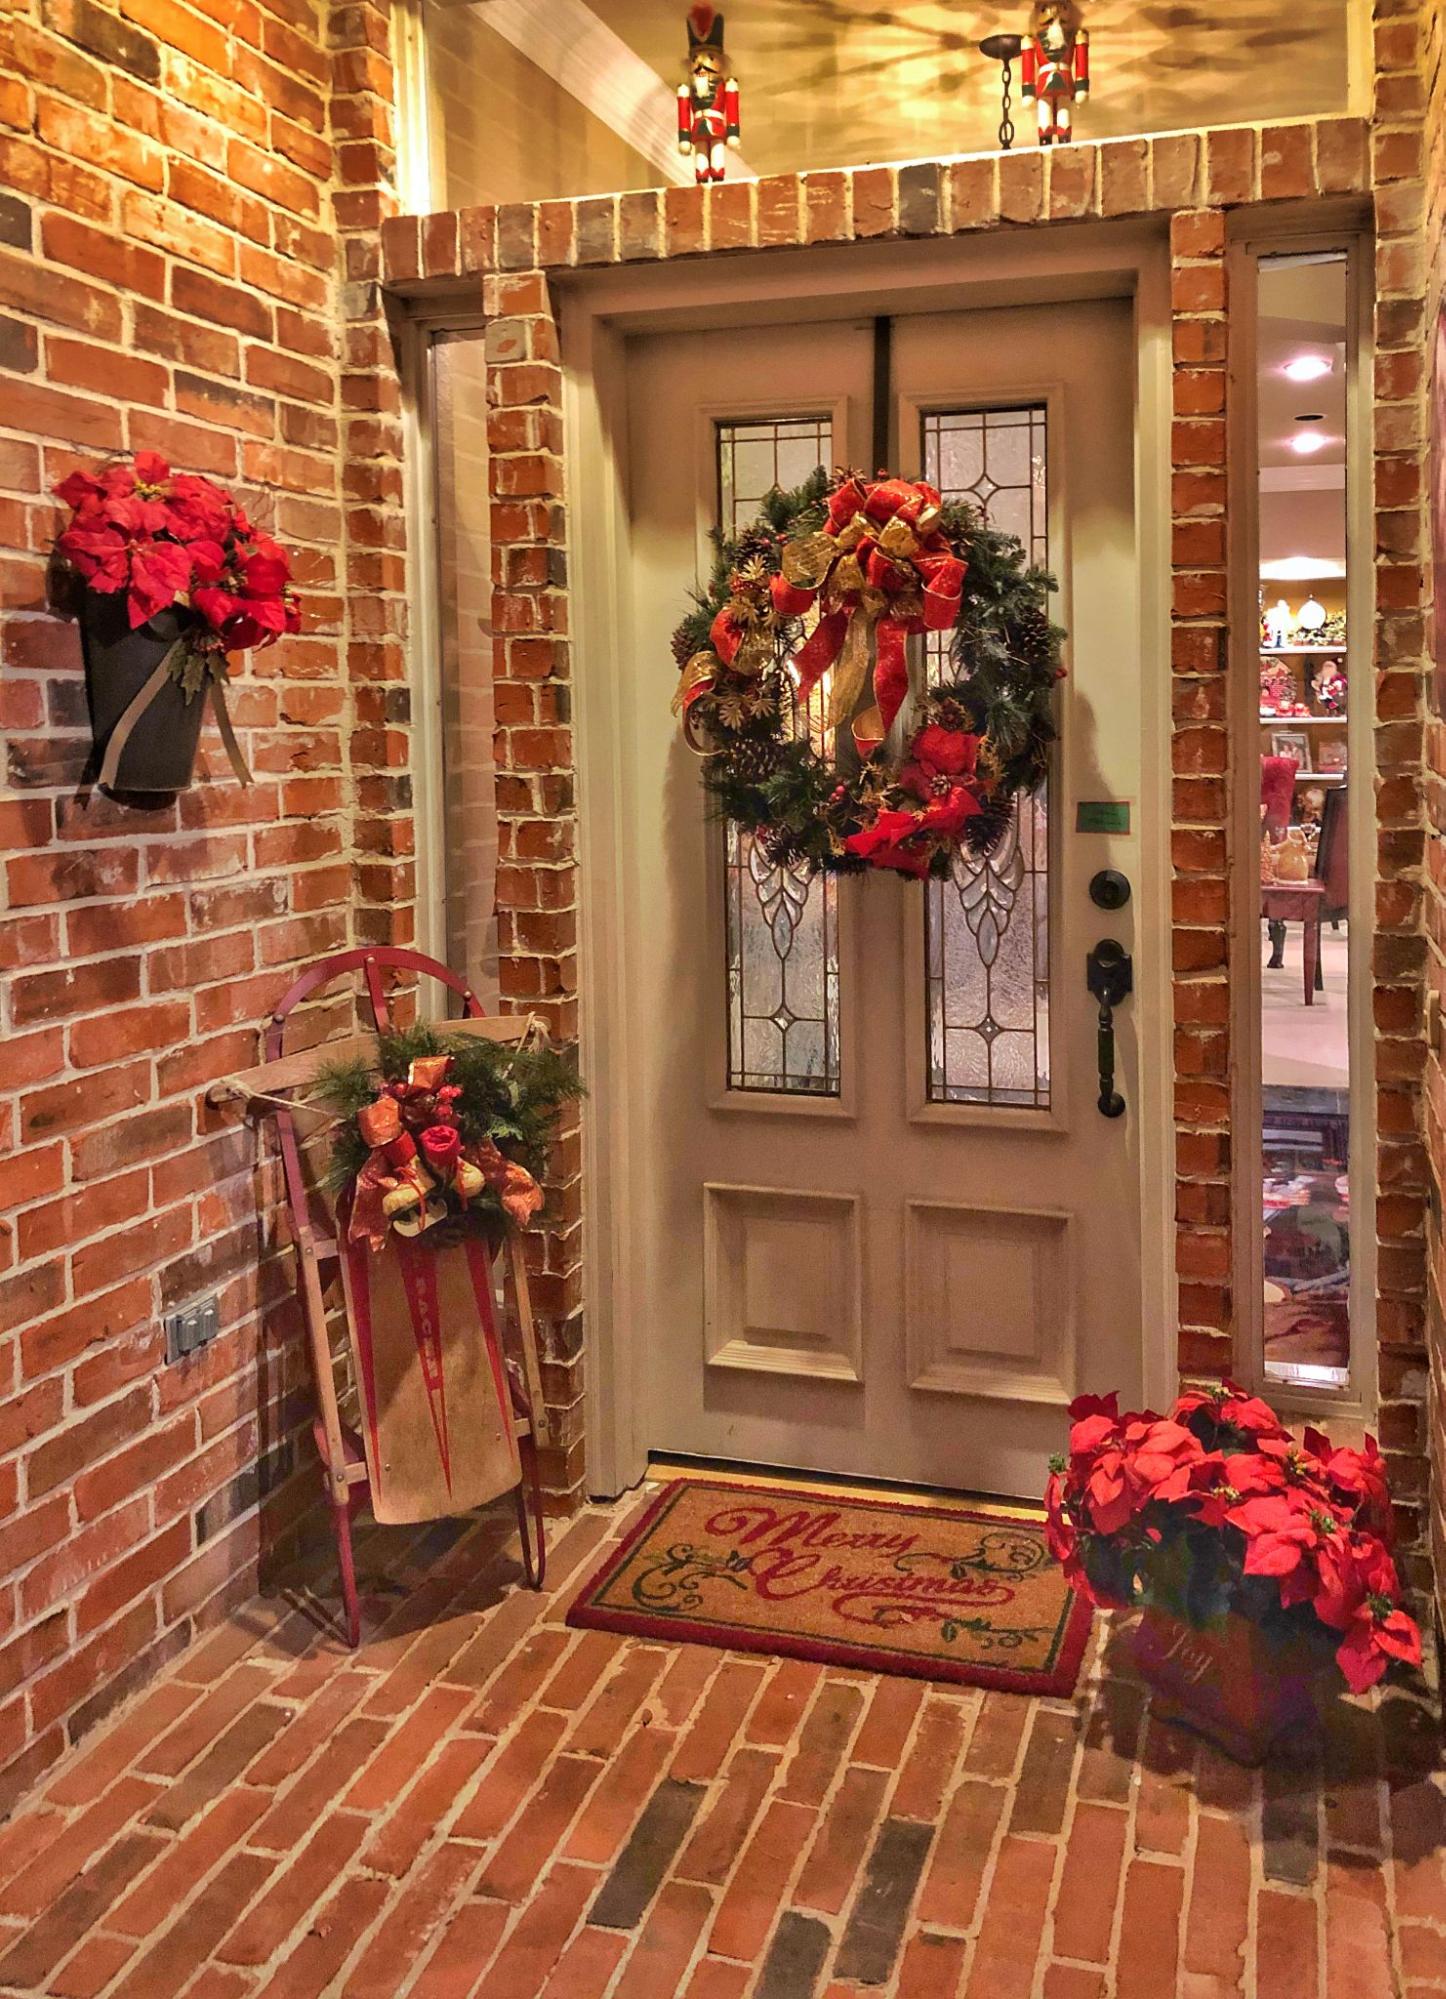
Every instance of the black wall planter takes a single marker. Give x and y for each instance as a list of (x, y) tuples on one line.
[(160, 755)]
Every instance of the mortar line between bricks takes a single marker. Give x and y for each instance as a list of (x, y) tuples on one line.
[(1188, 1859), (838, 1926), (1066, 1827), (355, 1868), (1132, 1812), (1042, 1950), (399, 1885), (833, 1924), (283, 1860), (1388, 1872), (1318, 1886), (719, 1783)]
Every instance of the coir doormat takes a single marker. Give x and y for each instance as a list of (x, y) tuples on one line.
[(940, 1593)]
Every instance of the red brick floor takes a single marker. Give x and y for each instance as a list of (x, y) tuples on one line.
[(481, 1802)]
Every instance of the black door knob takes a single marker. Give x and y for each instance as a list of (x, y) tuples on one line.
[(1109, 889)]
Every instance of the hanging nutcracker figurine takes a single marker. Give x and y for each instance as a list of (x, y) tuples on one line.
[(708, 101), (1055, 67)]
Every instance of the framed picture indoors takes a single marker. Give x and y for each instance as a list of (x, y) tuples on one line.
[(1291, 743)]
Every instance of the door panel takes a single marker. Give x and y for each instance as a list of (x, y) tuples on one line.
[(847, 1265)]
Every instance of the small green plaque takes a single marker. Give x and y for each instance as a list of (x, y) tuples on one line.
[(1102, 815)]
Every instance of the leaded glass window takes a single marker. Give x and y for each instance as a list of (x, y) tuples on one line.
[(987, 925), (781, 927)]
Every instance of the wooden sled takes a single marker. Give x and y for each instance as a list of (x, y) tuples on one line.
[(449, 1419)]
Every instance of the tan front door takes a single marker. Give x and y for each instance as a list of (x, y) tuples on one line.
[(882, 1228)]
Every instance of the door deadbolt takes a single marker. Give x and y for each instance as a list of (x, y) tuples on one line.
[(1109, 889)]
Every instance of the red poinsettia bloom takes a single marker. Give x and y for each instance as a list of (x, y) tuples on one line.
[(1285, 1534), (953, 751), (1359, 1476), (1164, 1457), (160, 573), (937, 755), (176, 539), (1379, 1632), (1229, 1404), (1128, 1506), (1348, 1575), (884, 843), (98, 552), (946, 814)]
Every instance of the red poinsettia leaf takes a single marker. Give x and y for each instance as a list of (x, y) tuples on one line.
[(266, 575), (1359, 1660), (953, 752), (268, 614), (208, 560), (1089, 1432), (1095, 1405), (79, 487), (217, 606), (1400, 1636), (150, 468)]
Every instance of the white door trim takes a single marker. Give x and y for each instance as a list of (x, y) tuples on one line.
[(1093, 261)]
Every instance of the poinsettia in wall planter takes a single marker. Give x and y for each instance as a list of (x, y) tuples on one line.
[(176, 578), (1255, 1559)]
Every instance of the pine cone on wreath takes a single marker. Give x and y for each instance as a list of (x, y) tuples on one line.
[(1029, 640), (754, 759)]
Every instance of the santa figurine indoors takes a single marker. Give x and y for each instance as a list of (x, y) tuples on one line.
[(708, 101), (1055, 67)]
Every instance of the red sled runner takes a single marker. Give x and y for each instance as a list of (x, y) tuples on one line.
[(449, 1415)]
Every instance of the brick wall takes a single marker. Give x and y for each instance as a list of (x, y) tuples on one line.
[(172, 183), (1433, 69), (1198, 181)]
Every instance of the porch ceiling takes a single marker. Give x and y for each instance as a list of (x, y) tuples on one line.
[(833, 82)]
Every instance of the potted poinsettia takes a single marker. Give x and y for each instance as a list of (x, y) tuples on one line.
[(176, 578), (1254, 1558)]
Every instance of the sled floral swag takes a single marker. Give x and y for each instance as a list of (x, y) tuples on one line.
[(899, 767), (444, 1135)]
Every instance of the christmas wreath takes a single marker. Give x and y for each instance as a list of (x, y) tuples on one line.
[(833, 579), (444, 1133)]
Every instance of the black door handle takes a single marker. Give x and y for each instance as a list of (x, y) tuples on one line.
[(1110, 975)]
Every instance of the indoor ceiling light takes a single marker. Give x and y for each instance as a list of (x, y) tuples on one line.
[(1309, 367), (1308, 442), (1301, 568)]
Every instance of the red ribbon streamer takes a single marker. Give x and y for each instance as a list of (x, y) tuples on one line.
[(933, 569)]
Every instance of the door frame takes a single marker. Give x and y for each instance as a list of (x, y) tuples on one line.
[(598, 311)]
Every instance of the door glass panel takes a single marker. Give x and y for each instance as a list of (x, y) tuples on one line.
[(986, 928), (1305, 778), (781, 927)]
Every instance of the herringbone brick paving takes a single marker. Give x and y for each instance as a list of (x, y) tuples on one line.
[(482, 1804)]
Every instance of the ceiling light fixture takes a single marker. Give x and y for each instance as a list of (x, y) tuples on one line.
[(1307, 442), (1309, 367)]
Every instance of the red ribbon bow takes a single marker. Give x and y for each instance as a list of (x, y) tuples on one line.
[(862, 517)]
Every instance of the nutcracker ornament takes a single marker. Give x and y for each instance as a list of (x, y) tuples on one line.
[(708, 101), (1055, 69)]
